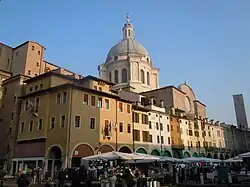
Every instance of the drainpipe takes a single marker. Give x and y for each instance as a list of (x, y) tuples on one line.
[(160, 130), (116, 128), (133, 128), (67, 156)]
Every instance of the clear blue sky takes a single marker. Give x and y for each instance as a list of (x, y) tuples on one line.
[(206, 43)]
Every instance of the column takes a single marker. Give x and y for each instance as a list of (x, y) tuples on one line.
[(36, 164), (69, 162), (11, 169), (46, 164), (64, 162), (22, 164), (53, 167), (17, 167)]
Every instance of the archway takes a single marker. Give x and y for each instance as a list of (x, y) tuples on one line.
[(105, 149), (82, 150), (221, 157), (215, 156), (226, 156), (202, 155), (186, 154), (177, 154), (125, 149), (195, 155), (55, 159), (155, 152), (209, 155), (167, 153), (142, 151)]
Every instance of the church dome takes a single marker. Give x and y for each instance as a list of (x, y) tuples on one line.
[(128, 45)]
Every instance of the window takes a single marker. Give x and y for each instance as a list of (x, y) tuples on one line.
[(77, 121), (40, 124), (135, 117), (95, 87), (148, 79), (37, 104), (124, 76), (38, 52), (218, 133), (86, 99), (99, 102), (37, 64), (92, 123), (145, 136), (129, 128), (157, 126), (29, 72), (31, 126), (106, 104), (22, 127), (14, 99), (110, 77), (92, 100), (116, 76), (120, 107), (161, 127), (162, 139), (52, 123), (190, 133), (150, 138), (41, 86), (144, 119), (10, 131), (58, 98), (158, 139), (12, 115), (120, 127), (65, 97), (136, 135), (149, 125), (168, 128), (31, 89), (33, 47), (100, 89), (142, 77), (169, 140), (62, 122), (128, 108)]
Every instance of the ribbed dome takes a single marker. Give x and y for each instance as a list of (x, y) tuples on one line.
[(127, 46)]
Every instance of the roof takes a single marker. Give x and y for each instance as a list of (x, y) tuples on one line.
[(127, 46), (78, 87), (98, 79), (162, 88), (200, 102), (14, 78)]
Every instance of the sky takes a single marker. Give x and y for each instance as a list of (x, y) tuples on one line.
[(205, 43)]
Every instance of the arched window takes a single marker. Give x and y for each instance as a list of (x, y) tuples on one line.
[(148, 79), (110, 77), (116, 76), (142, 77), (124, 75)]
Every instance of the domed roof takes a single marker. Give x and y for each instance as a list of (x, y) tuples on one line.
[(128, 46)]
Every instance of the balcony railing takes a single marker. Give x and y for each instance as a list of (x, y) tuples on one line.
[(180, 146)]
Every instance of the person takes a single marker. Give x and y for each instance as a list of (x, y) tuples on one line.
[(129, 178), (61, 178), (23, 181)]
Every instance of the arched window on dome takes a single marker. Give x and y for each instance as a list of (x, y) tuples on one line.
[(116, 77), (148, 79), (124, 75), (142, 77), (110, 77)]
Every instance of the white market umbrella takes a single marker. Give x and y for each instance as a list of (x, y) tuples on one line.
[(245, 154), (234, 159), (200, 159)]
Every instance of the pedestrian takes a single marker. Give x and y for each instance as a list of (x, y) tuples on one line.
[(23, 181), (2, 174)]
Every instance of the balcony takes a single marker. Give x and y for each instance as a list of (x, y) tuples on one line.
[(180, 146)]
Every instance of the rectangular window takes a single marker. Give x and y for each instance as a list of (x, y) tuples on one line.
[(129, 128), (77, 121), (92, 100), (86, 99), (145, 136), (12, 116), (31, 126), (168, 128), (161, 127), (62, 123), (158, 139), (144, 119), (120, 107), (128, 108), (100, 89), (37, 104), (157, 126), (169, 140), (58, 98), (149, 125), (106, 104), (136, 117), (99, 103), (65, 97), (52, 123), (92, 123), (22, 127), (120, 127), (10, 131), (150, 138), (162, 139), (95, 87), (136, 135), (40, 124)]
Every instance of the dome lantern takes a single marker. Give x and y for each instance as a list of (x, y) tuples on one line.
[(128, 29)]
